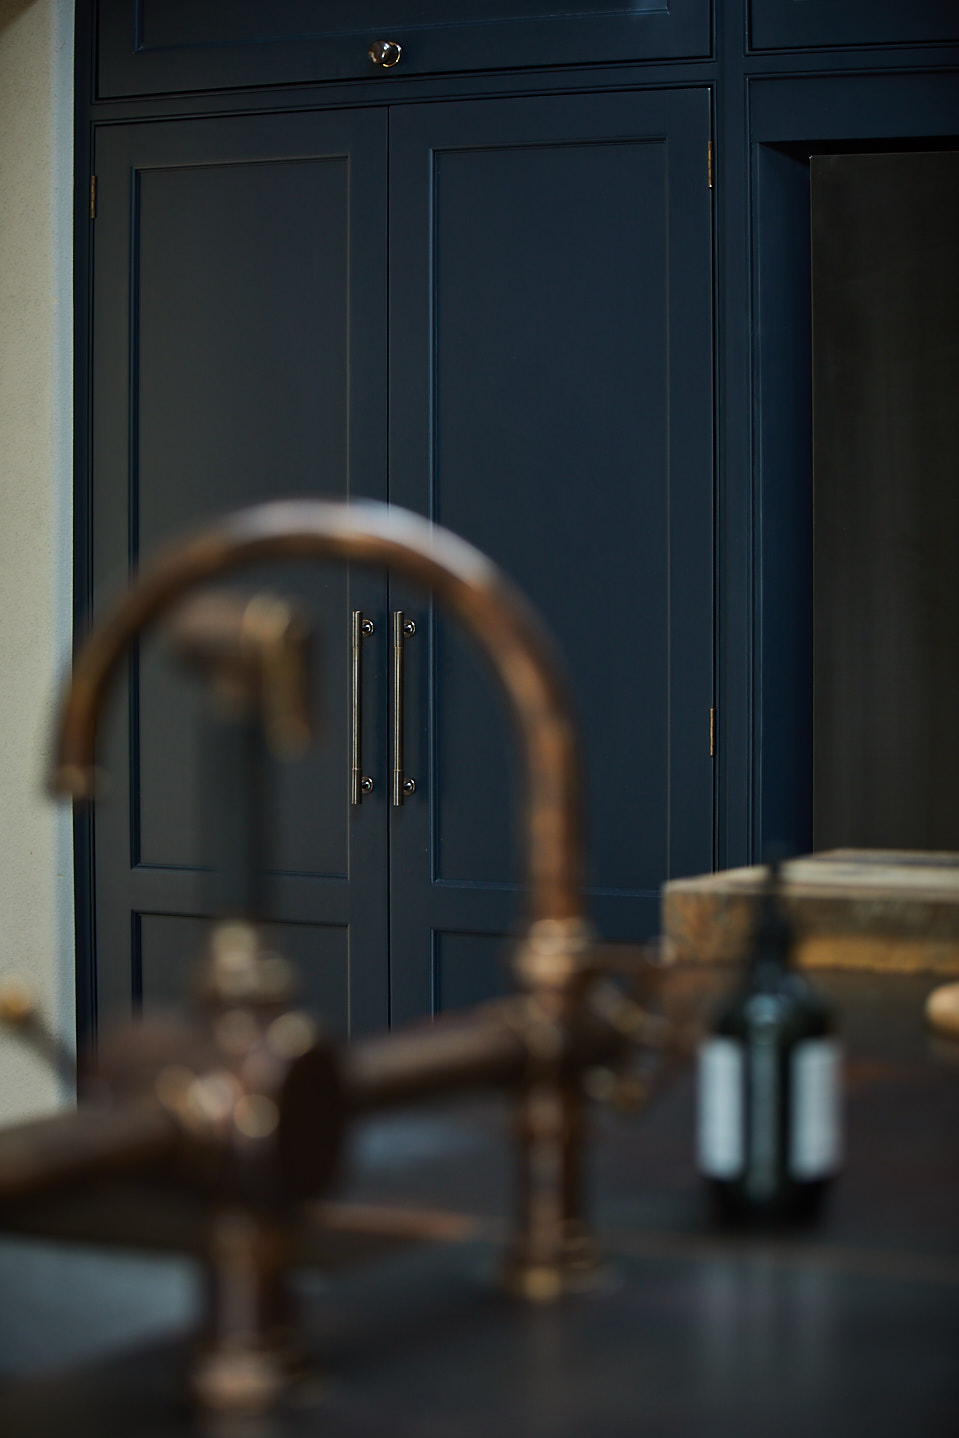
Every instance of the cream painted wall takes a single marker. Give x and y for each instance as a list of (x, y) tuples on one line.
[(36, 864)]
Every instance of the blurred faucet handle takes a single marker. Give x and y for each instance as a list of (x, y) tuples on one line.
[(21, 1013), (257, 649), (18, 1002)]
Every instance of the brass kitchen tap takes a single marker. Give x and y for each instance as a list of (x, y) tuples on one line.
[(186, 1103)]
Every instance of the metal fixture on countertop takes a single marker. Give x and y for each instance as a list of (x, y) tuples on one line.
[(248, 1104)]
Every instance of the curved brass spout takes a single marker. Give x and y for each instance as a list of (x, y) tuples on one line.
[(463, 580)]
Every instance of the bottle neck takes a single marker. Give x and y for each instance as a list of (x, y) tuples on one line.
[(767, 967), (771, 954)]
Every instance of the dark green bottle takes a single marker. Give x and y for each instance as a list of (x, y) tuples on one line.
[(769, 1130)]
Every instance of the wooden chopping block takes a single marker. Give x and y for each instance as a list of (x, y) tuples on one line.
[(867, 909)]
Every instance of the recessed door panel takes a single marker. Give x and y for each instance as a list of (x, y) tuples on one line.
[(551, 401), (241, 383), (468, 969), (551, 454), (168, 947)]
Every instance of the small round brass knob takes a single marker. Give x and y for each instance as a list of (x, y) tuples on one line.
[(409, 786), (366, 785), (367, 627), (385, 53)]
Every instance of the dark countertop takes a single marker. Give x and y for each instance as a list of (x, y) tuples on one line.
[(851, 1328)]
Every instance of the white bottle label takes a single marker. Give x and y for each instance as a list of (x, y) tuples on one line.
[(721, 1145), (815, 1148)]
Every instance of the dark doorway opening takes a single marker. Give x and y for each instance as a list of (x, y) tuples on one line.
[(885, 362)]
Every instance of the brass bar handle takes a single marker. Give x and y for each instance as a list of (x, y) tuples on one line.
[(403, 628), (360, 783)]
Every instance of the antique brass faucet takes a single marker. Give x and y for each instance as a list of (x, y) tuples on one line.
[(249, 1105)]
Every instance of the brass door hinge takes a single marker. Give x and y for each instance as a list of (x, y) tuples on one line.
[(709, 163), (93, 197), (712, 733)]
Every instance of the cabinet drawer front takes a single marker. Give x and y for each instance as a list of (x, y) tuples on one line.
[(150, 46), (802, 24)]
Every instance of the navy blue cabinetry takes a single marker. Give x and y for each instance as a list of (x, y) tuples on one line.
[(551, 399), (239, 354), (546, 391), (788, 24), (517, 281), (153, 46)]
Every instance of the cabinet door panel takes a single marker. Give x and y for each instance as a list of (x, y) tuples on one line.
[(240, 348), (789, 24), (551, 401), (239, 355), (147, 46), (166, 948)]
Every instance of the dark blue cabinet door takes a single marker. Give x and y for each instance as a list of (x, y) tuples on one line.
[(799, 24), (551, 400), (149, 46), (239, 354)]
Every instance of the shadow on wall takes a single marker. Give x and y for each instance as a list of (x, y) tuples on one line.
[(10, 10)]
